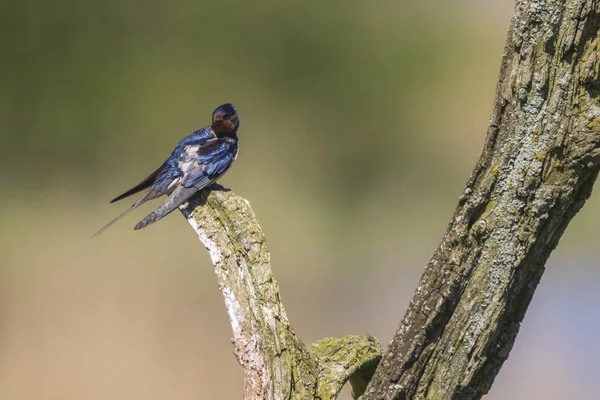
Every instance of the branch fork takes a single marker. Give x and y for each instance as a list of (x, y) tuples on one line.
[(277, 365)]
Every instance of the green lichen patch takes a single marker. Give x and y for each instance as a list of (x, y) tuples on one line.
[(353, 358)]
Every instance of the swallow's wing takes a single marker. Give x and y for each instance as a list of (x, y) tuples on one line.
[(146, 183), (212, 159), (200, 136)]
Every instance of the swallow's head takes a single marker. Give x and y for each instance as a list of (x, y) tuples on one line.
[(225, 119)]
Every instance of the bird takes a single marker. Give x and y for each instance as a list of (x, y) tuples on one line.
[(197, 161)]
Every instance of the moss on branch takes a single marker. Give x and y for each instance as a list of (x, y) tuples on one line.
[(277, 365)]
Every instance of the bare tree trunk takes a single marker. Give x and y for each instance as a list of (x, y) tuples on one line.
[(537, 168)]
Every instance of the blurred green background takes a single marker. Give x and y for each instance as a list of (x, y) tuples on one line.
[(360, 124)]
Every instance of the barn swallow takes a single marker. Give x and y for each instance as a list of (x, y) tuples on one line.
[(197, 161)]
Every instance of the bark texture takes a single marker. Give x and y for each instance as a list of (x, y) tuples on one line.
[(277, 365), (538, 166), (539, 163)]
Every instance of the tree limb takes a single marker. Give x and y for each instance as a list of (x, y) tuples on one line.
[(277, 365)]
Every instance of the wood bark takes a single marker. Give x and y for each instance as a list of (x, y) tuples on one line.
[(537, 168), (277, 365), (540, 160)]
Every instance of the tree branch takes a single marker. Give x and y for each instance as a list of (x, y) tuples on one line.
[(277, 365)]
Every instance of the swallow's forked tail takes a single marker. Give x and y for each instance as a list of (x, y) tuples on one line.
[(151, 194), (177, 198), (105, 227)]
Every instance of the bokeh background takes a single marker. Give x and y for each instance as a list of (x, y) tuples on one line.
[(360, 124)]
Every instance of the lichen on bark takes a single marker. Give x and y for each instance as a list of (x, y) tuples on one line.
[(277, 365), (537, 168)]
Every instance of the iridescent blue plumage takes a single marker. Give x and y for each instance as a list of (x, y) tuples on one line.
[(197, 161)]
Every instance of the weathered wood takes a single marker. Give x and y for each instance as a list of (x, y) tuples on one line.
[(539, 163), (277, 365)]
